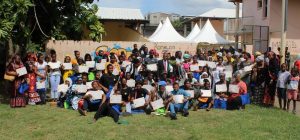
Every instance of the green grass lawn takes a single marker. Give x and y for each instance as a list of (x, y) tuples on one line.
[(45, 122)]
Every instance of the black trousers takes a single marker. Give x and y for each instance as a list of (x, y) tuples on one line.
[(106, 110), (234, 104)]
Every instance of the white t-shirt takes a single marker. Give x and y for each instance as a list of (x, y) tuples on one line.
[(282, 79)]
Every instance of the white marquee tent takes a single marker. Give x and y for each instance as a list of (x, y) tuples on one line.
[(167, 33), (193, 33), (209, 35), (157, 29)]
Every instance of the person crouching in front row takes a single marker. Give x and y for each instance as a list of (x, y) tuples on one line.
[(179, 106), (92, 102)]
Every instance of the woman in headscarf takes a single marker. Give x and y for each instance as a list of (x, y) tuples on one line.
[(258, 77), (17, 99)]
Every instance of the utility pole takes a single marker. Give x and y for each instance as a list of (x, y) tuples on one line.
[(283, 30), (237, 24)]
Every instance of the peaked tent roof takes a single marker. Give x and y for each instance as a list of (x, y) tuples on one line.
[(194, 33), (157, 29), (209, 35), (167, 33)]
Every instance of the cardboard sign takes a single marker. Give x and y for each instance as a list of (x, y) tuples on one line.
[(149, 88), (54, 65), (178, 99), (191, 92), (96, 95), (67, 66), (62, 88), (130, 83), (139, 102), (21, 71), (194, 67), (206, 93), (89, 85), (100, 66), (125, 64), (221, 88), (202, 63), (157, 104), (81, 88), (169, 88), (83, 69), (115, 99), (90, 64), (152, 67), (234, 88), (40, 85)]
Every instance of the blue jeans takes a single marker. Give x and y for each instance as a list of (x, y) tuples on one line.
[(91, 105), (54, 81), (179, 107)]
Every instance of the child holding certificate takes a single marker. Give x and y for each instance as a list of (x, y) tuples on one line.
[(55, 75)]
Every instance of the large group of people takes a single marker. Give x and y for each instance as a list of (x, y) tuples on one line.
[(114, 84)]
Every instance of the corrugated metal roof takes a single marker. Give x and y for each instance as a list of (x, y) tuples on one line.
[(220, 13), (120, 13)]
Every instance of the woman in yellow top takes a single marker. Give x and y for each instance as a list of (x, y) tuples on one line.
[(67, 73), (113, 61)]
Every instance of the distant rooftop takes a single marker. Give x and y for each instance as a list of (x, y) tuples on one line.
[(119, 14), (220, 13)]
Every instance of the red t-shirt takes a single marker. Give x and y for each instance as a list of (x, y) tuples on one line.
[(297, 64)]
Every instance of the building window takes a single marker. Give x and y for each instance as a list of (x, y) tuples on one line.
[(259, 3), (265, 8)]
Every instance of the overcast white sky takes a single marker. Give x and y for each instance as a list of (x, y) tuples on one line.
[(182, 7)]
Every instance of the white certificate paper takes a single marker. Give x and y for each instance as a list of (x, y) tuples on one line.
[(67, 66), (89, 85), (115, 72), (139, 102), (62, 88), (115, 99), (169, 88), (130, 83), (206, 93), (191, 92), (21, 71), (194, 67), (83, 69), (152, 67), (234, 88), (40, 85), (54, 65), (221, 88), (149, 88), (202, 63), (157, 104), (90, 64), (81, 88), (178, 99), (125, 64), (96, 95), (100, 66)]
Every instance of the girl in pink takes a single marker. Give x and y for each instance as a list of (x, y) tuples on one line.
[(293, 88), (186, 64)]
